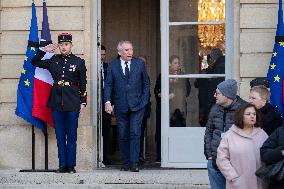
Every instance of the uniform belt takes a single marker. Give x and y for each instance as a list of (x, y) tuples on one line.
[(66, 83)]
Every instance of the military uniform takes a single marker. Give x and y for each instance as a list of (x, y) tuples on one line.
[(67, 94), (69, 75)]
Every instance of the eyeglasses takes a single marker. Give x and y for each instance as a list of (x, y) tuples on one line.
[(218, 93)]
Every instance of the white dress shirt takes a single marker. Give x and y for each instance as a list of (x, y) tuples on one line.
[(122, 62)]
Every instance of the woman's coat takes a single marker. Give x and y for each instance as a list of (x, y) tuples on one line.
[(238, 157)]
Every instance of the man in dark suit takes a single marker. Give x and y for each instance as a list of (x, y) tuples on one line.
[(127, 85)]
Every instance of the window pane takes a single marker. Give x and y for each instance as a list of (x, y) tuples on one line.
[(196, 10), (190, 101), (192, 44)]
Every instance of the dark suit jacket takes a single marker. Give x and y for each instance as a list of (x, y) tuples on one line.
[(133, 95)]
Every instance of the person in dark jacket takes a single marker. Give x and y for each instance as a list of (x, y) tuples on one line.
[(179, 90), (272, 151), (105, 116), (68, 96), (220, 120), (270, 117), (207, 86)]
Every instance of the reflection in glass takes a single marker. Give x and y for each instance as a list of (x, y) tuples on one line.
[(183, 11), (211, 35), (190, 106), (196, 10), (206, 36), (175, 66), (185, 43), (179, 91), (208, 10), (211, 10)]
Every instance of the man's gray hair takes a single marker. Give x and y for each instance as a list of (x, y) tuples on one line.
[(120, 43)]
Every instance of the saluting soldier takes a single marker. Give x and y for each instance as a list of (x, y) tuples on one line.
[(67, 98)]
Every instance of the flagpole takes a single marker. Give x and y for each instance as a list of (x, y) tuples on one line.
[(45, 155), (46, 147), (33, 152), (33, 33)]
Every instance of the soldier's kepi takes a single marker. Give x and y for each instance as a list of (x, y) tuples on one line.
[(67, 98), (64, 37)]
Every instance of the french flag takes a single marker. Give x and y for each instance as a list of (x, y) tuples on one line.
[(42, 79)]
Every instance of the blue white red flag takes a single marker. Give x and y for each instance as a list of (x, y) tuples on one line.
[(43, 80), (26, 82)]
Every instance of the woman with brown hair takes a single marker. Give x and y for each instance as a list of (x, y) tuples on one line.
[(179, 90), (238, 155)]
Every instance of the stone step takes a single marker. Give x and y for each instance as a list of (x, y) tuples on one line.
[(104, 186), (108, 178)]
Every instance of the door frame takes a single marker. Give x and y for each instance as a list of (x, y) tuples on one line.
[(96, 82), (229, 73), (231, 70)]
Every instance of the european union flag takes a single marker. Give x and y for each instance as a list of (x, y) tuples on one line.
[(26, 83), (275, 73)]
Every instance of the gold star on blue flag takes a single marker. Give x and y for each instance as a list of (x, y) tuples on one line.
[(26, 82), (272, 66), (275, 73), (276, 78), (24, 71)]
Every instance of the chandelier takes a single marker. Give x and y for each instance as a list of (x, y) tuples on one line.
[(208, 11)]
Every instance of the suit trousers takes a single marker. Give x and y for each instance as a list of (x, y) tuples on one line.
[(66, 124), (129, 129)]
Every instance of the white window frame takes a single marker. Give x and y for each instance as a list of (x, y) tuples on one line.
[(229, 68)]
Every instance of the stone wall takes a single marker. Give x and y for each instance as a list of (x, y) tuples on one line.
[(254, 24), (258, 21), (15, 134)]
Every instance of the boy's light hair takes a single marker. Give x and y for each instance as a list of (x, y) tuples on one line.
[(262, 91)]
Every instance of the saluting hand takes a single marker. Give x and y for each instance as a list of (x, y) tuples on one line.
[(50, 48)]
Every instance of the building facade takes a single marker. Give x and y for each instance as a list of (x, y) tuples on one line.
[(157, 30)]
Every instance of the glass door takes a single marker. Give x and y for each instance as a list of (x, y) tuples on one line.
[(193, 63)]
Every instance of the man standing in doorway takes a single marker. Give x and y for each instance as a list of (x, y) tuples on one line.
[(219, 121), (105, 116), (67, 98), (127, 84)]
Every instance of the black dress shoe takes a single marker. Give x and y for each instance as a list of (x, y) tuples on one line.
[(61, 170), (135, 167), (124, 168), (71, 170)]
